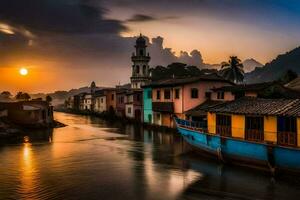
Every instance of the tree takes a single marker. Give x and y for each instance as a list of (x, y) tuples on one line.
[(48, 98), (288, 76), (22, 96), (233, 70), (5, 95)]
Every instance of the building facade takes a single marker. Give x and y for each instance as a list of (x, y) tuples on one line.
[(172, 98), (33, 113), (134, 105)]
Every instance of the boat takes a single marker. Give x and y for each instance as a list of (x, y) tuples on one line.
[(262, 155)]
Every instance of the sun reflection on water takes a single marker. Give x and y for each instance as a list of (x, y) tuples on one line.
[(28, 171)]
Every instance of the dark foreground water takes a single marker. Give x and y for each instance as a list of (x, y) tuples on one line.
[(95, 159)]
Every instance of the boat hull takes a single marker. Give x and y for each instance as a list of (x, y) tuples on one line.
[(241, 152)]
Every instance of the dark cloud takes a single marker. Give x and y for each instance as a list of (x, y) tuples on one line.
[(141, 18), (147, 18), (74, 37), (58, 16)]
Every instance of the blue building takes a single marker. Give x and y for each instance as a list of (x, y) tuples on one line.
[(147, 98)]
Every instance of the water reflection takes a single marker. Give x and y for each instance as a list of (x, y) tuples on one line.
[(96, 159)]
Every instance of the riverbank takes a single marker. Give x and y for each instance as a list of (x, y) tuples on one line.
[(113, 117)]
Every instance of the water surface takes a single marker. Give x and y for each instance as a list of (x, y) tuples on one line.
[(95, 159)]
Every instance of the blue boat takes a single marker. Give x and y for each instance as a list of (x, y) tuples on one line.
[(261, 155)]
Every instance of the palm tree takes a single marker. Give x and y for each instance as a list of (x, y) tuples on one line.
[(233, 70)]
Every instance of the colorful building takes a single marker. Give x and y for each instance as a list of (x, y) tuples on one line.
[(262, 120), (173, 97), (147, 105), (263, 133)]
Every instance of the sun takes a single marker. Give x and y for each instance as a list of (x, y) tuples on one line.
[(23, 71)]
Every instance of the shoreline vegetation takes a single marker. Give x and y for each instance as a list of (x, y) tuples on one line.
[(113, 117)]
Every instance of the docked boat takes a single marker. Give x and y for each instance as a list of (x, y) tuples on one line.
[(261, 133)]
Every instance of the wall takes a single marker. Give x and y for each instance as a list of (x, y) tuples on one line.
[(203, 87), (270, 128), (111, 99), (211, 122), (147, 105), (228, 96), (120, 105), (238, 126), (251, 94), (129, 114), (167, 120)]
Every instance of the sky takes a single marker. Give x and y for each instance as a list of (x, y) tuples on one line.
[(67, 44)]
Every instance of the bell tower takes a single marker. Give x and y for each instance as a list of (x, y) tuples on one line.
[(140, 68)]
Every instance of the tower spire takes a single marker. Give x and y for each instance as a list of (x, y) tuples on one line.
[(140, 68)]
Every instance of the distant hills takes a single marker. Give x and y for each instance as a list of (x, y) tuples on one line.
[(251, 64), (276, 68)]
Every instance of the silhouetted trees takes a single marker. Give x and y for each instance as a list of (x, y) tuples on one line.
[(48, 98), (22, 96), (233, 70), (177, 70), (5, 95), (288, 76)]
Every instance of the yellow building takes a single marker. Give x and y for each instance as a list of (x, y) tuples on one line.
[(274, 121)]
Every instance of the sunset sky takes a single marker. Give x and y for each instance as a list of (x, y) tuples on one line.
[(66, 44)]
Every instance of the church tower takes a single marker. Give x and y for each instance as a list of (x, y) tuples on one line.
[(140, 68)]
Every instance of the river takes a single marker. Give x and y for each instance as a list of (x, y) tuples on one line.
[(95, 159)]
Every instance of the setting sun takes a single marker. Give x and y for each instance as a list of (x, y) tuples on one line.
[(23, 71)]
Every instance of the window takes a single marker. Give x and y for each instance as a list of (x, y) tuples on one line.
[(254, 128), (167, 94), (144, 69), (122, 99), (141, 52), (138, 98), (224, 125), (208, 95), (101, 100), (220, 95), (158, 94), (112, 97), (177, 93), (194, 93), (287, 131), (129, 110), (149, 94), (137, 69)]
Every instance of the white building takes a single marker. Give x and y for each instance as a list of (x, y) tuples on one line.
[(87, 102), (100, 103)]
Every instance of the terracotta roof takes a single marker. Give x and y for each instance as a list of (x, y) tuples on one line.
[(200, 110), (254, 106), (182, 81), (163, 107), (246, 87)]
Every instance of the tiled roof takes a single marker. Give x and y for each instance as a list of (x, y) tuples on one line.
[(245, 87), (182, 81), (253, 106), (200, 110), (163, 107)]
